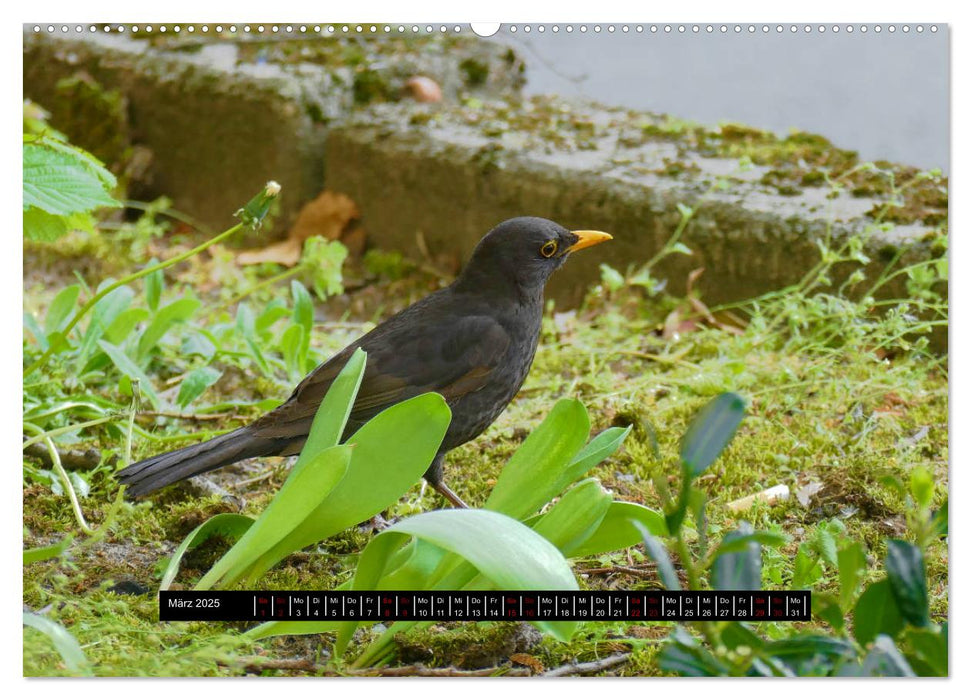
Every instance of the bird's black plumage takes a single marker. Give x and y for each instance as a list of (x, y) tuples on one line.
[(472, 342)]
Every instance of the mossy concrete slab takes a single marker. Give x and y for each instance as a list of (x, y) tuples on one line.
[(213, 120), (761, 202)]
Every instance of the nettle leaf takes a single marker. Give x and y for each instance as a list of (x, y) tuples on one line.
[(876, 612), (61, 183), (711, 431), (738, 570), (908, 582), (40, 226), (195, 383)]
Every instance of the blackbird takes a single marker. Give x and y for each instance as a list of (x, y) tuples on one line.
[(472, 342)]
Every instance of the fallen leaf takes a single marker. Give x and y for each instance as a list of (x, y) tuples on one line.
[(528, 660), (331, 214)]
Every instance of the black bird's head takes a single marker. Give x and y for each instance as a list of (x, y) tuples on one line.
[(523, 252)]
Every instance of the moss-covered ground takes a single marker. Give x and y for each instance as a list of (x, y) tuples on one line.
[(841, 401)]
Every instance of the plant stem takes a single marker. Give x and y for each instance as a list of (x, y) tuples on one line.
[(39, 362)]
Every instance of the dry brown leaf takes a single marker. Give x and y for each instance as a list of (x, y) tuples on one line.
[(528, 660), (331, 214)]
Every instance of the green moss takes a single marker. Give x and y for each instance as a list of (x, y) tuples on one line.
[(475, 72)]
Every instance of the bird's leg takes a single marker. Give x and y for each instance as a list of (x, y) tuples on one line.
[(435, 477)]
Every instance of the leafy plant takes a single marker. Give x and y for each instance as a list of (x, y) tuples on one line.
[(62, 184), (891, 611)]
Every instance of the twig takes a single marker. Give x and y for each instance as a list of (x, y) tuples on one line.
[(649, 570), (450, 672), (589, 666)]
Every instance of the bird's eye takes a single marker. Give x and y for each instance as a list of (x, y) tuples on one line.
[(548, 250)]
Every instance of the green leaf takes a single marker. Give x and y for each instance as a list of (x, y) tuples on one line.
[(736, 570), (684, 655), (851, 560), (391, 452), (196, 382), (575, 517), (503, 550), (60, 308), (178, 311), (32, 327), (38, 225), (658, 553), (246, 326), (255, 210), (331, 418), (810, 654), (922, 486), (121, 328), (128, 368), (309, 481), (908, 582), (272, 313), (876, 613), (103, 315), (806, 568), (596, 451), (927, 651), (231, 525), (827, 608), (49, 552), (711, 431), (292, 343), (885, 660), (617, 531), (303, 307), (60, 182), (154, 286), (66, 645), (538, 471)]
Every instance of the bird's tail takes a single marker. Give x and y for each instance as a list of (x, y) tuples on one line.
[(161, 470)]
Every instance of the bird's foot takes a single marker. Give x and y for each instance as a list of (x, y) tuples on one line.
[(452, 497)]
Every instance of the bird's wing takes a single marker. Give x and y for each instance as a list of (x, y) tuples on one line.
[(453, 357)]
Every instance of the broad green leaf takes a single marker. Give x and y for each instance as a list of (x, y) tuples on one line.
[(806, 569), (711, 431), (391, 452), (61, 183), (309, 481), (851, 560), (810, 654), (575, 517), (538, 471), (827, 608), (658, 553), (196, 382), (128, 368), (272, 313), (246, 326), (121, 328), (331, 418), (178, 311), (294, 627), (908, 582), (66, 645), (102, 316), (876, 613), (231, 525), (736, 570), (60, 308), (38, 225), (49, 552), (616, 530), (505, 551)]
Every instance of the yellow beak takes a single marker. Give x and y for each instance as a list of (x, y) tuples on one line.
[(587, 239)]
